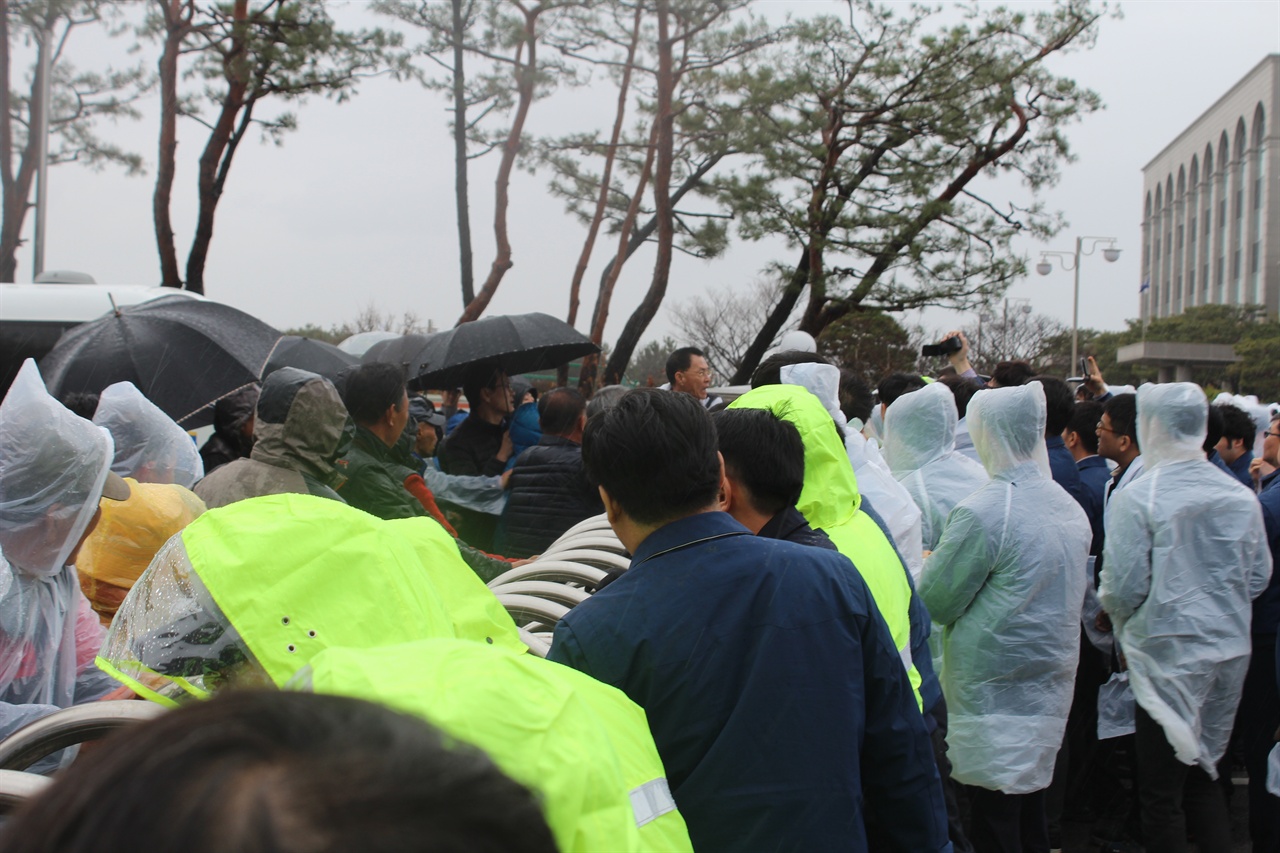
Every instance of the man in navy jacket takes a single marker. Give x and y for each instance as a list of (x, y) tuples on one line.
[(774, 692)]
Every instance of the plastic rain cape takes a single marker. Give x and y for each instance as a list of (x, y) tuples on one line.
[(874, 481), (248, 593), (919, 445), (1007, 583), (581, 744), (52, 468), (1186, 554), (149, 446)]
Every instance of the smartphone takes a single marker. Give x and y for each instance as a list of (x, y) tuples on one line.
[(1084, 366)]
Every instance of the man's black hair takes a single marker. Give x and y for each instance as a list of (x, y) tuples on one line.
[(856, 397), (1010, 374), (559, 410), (962, 389), (1238, 425), (1122, 410), (680, 360), (1060, 402), (764, 453), (82, 403), (1084, 423), (1213, 430), (895, 385), (655, 454), (478, 378), (770, 370), (370, 389), (281, 771)]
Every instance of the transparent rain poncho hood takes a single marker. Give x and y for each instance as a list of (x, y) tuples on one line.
[(1007, 426), (919, 445), (149, 446), (1007, 584), (581, 744), (248, 593), (874, 482), (52, 469), (1186, 554)]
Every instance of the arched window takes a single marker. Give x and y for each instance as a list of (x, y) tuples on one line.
[(1256, 181), (1220, 191), (1148, 228), (1206, 223), (1239, 177)]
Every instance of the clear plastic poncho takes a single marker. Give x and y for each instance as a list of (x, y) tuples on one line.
[(52, 469), (1186, 554), (149, 446), (1007, 583), (875, 482), (919, 445)]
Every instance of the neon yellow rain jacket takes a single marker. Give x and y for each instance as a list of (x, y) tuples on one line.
[(830, 501), (253, 590), (582, 745)]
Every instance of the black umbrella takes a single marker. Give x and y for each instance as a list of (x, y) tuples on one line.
[(403, 350), (307, 354), (182, 353), (518, 343)]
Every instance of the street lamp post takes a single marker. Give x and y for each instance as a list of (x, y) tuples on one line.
[(1110, 254)]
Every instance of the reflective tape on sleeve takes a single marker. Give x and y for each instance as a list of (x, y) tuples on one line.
[(652, 800)]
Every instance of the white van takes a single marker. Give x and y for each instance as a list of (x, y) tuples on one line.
[(34, 316)]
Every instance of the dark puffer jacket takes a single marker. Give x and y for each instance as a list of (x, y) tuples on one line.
[(549, 494)]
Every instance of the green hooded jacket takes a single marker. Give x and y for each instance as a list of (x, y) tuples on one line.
[(830, 502), (582, 745), (253, 590)]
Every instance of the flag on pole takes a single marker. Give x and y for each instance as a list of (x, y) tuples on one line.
[(1146, 285)]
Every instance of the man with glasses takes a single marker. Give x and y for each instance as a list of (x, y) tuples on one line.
[(688, 371), (1118, 441)]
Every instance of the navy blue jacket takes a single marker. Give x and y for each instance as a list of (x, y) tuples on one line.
[(1240, 468), (1094, 477), (1063, 466), (774, 692), (789, 524), (1266, 607)]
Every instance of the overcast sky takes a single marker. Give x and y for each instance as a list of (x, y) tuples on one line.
[(356, 207)]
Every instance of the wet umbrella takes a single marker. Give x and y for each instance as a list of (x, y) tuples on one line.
[(518, 343), (182, 353), (359, 343), (404, 350), (307, 354)]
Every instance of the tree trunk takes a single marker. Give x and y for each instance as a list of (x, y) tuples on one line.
[(628, 242), (211, 176), (644, 313), (773, 324), (461, 191), (602, 202), (526, 75), (175, 33), (16, 188)]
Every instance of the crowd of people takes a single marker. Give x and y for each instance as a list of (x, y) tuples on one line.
[(945, 614)]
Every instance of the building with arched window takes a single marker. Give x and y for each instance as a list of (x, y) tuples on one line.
[(1211, 205)]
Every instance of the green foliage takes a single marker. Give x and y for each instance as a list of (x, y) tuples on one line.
[(870, 343), (648, 367)]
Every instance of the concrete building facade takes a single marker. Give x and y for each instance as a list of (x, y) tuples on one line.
[(1211, 205)]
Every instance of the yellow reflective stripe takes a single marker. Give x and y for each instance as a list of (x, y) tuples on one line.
[(144, 691), (652, 800)]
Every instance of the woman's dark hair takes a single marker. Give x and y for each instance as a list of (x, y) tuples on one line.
[(277, 772), (895, 385), (655, 454), (856, 397), (765, 453)]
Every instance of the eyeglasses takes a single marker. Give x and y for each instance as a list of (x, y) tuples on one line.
[(1272, 434), (703, 373), (1101, 428)]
